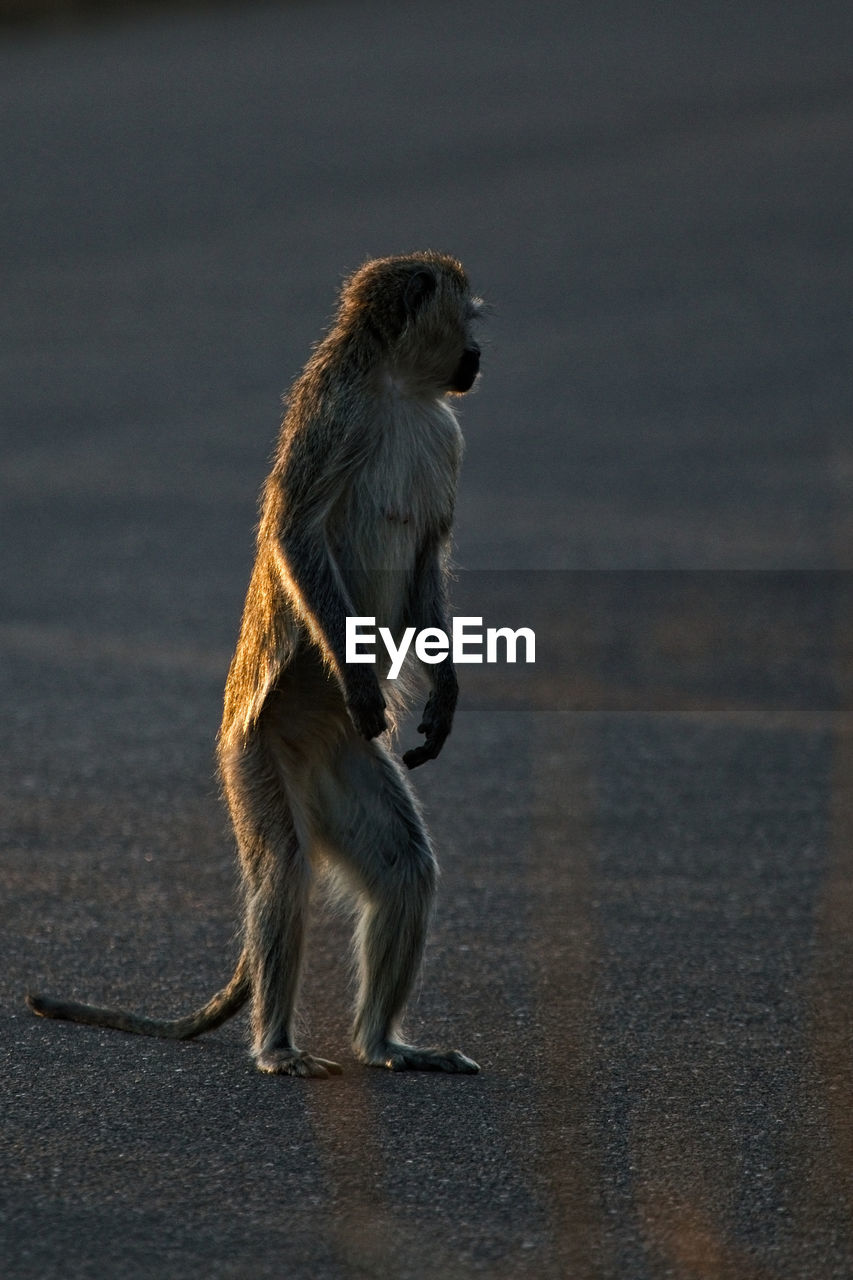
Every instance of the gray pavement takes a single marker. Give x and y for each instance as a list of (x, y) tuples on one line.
[(643, 928)]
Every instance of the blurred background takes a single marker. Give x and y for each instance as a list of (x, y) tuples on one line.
[(643, 927)]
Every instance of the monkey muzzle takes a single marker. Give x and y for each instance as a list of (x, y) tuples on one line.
[(467, 369)]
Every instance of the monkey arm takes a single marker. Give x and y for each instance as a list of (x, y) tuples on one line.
[(319, 597), (316, 467), (431, 611)]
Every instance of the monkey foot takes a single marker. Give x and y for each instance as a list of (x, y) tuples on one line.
[(407, 1057), (295, 1062)]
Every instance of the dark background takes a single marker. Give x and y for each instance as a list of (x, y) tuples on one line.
[(643, 931)]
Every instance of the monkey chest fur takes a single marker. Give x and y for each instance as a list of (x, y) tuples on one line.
[(400, 499)]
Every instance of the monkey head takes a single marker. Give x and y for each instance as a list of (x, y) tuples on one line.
[(419, 310)]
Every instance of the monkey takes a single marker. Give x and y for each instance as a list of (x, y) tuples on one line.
[(356, 519)]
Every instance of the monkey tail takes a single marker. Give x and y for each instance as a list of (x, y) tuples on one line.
[(218, 1009)]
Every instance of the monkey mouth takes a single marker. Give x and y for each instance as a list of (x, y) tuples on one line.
[(465, 373)]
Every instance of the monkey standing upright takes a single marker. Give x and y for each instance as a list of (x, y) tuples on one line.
[(356, 521)]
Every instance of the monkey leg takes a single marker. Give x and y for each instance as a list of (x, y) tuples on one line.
[(276, 875), (374, 828)]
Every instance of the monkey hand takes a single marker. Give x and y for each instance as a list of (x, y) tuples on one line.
[(436, 724), (366, 707)]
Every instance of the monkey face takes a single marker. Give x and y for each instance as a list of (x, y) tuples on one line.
[(466, 370)]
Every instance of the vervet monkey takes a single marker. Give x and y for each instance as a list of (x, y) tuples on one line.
[(356, 521)]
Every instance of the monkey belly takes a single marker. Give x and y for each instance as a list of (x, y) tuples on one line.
[(379, 568)]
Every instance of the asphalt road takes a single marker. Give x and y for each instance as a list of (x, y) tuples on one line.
[(643, 931)]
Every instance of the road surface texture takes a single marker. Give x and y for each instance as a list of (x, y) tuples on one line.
[(644, 925)]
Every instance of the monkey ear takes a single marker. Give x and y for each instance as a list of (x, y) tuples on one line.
[(420, 286)]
